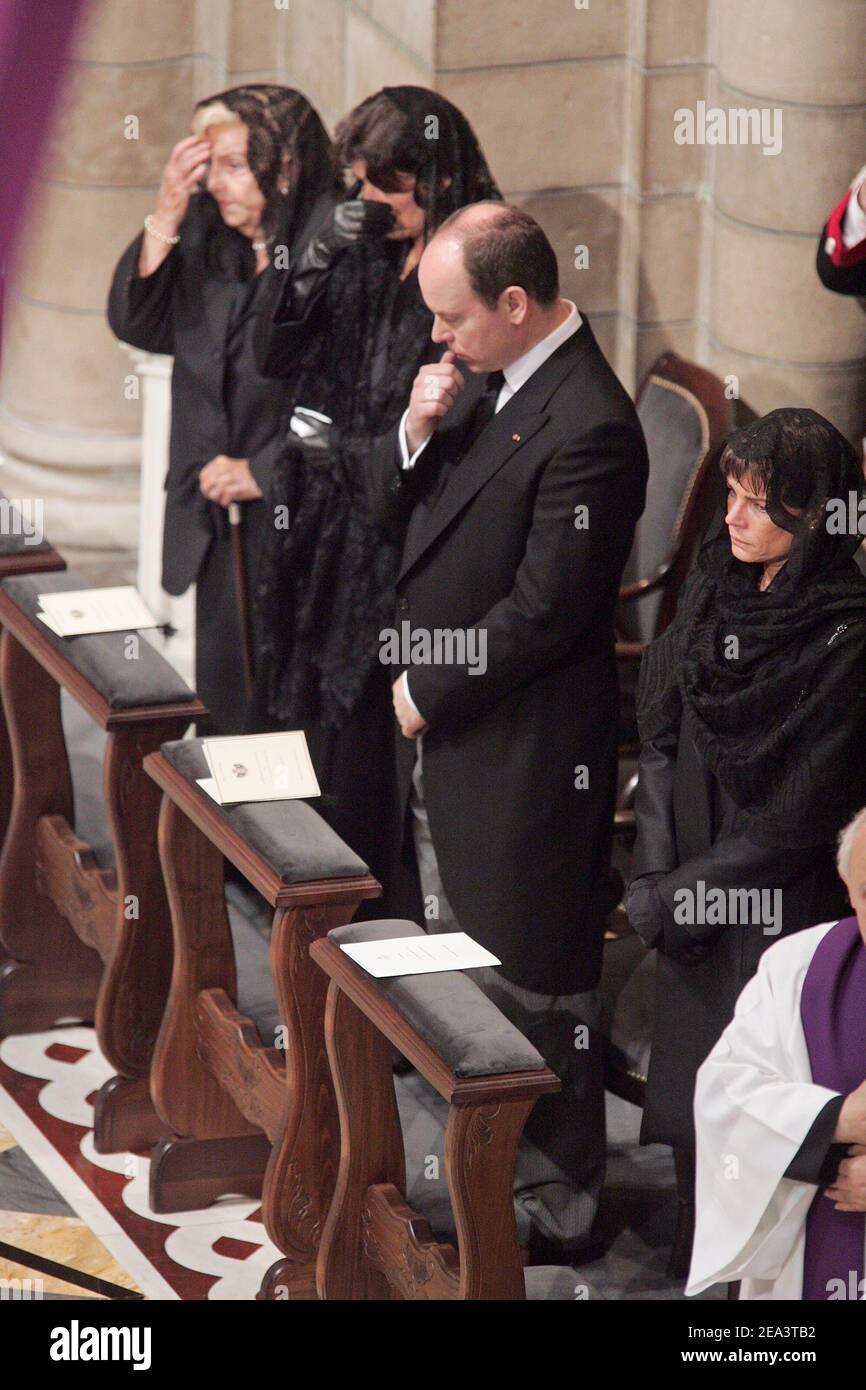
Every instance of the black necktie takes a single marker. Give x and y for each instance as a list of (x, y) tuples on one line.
[(485, 409)]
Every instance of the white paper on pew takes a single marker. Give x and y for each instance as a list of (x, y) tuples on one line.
[(208, 785), (261, 767), (419, 955), (81, 611), (43, 617)]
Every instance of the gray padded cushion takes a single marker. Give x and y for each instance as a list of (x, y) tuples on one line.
[(673, 430), (256, 998), (12, 542), (448, 1011), (290, 836), (628, 1002), (125, 684)]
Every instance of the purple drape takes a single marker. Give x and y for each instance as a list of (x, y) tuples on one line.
[(35, 37), (833, 1012)]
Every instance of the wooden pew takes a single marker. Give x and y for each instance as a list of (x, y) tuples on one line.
[(82, 940), (246, 1115), (18, 555), (373, 1245)]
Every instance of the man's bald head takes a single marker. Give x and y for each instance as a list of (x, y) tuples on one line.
[(489, 278), (501, 246)]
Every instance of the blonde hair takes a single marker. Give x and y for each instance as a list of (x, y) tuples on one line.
[(215, 113)]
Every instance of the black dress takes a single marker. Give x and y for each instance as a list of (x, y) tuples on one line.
[(752, 712), (326, 585), (220, 404), (689, 825), (219, 677)]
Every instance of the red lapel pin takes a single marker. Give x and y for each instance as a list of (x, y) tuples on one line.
[(516, 438)]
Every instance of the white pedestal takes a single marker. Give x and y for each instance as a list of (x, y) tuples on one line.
[(154, 371)]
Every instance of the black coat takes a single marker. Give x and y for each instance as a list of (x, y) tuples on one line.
[(524, 855), (690, 831), (220, 404), (185, 310)]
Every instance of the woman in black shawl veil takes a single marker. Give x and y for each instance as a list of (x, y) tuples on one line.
[(256, 175), (349, 330), (752, 714)]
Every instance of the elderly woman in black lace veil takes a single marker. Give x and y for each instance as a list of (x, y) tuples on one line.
[(349, 330), (256, 175), (752, 713)]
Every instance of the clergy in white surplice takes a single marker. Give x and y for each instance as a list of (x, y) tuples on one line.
[(780, 1114)]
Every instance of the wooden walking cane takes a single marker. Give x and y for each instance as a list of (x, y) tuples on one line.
[(242, 591)]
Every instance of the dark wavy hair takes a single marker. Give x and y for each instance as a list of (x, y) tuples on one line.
[(798, 460), (412, 131)]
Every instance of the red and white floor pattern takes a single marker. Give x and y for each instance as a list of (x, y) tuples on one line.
[(47, 1085)]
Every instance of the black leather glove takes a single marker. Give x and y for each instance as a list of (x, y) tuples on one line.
[(682, 948), (645, 909), (356, 220), (650, 918)]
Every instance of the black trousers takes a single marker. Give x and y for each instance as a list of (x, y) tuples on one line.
[(559, 1168), (219, 663)]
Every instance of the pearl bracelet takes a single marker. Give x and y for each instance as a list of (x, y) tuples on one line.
[(160, 236)]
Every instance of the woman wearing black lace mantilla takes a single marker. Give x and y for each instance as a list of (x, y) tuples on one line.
[(349, 331), (752, 711), (255, 176)]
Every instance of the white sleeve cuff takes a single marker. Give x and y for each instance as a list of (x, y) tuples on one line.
[(408, 696), (854, 221), (405, 460)]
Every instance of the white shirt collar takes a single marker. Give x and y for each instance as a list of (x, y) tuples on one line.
[(519, 372)]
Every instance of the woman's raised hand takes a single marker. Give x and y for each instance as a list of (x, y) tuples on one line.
[(184, 168)]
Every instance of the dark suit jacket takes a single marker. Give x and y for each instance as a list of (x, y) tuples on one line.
[(183, 310), (491, 543)]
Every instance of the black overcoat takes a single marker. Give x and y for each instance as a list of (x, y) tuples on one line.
[(496, 540), (690, 830), (220, 404)]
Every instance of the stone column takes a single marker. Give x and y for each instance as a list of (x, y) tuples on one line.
[(152, 374), (69, 427), (546, 87), (770, 321), (666, 181), (707, 250)]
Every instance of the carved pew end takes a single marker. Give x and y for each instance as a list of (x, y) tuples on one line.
[(374, 1245), (237, 1099), (91, 943), (29, 1003), (124, 1118), (186, 1174)]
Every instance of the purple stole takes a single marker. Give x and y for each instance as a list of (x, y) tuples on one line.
[(833, 1013)]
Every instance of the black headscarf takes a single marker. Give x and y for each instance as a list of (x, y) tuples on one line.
[(288, 147), (327, 584), (419, 132), (775, 681)]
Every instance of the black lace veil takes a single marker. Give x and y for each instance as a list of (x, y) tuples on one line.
[(327, 583), (775, 681), (290, 154), (416, 131)]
